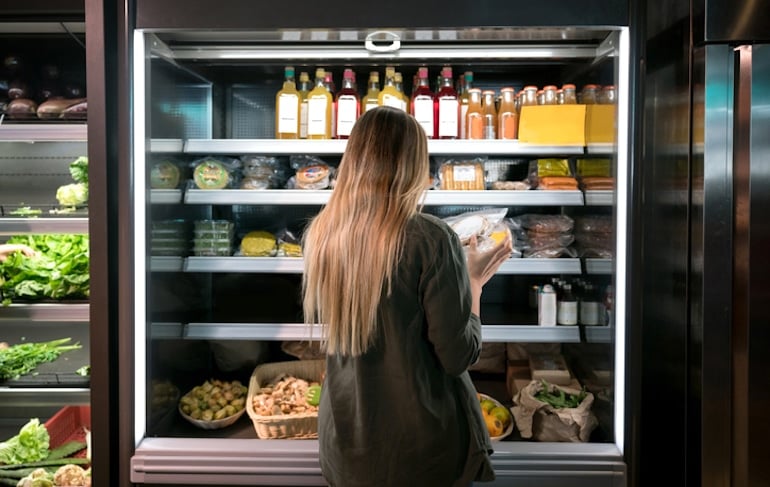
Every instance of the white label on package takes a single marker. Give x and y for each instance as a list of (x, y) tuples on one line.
[(303, 120), (287, 114), (347, 108), (464, 173), (316, 115)]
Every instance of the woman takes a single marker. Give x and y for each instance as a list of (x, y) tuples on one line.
[(400, 306)]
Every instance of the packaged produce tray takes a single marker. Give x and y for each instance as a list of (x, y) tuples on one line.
[(284, 426), (70, 423)]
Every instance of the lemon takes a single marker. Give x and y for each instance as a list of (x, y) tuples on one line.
[(494, 425), (487, 405), (502, 414)]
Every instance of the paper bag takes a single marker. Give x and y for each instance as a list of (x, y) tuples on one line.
[(542, 422)]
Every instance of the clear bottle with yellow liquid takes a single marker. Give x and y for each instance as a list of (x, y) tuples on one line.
[(304, 89), (287, 109), (389, 96), (371, 99), (319, 109), (399, 83), (466, 83)]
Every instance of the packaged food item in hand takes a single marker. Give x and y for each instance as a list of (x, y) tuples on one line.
[(486, 226)]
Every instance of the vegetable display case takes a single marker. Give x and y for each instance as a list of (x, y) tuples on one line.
[(34, 159), (206, 88)]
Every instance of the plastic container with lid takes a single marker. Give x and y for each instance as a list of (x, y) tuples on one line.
[(212, 247), (213, 225)]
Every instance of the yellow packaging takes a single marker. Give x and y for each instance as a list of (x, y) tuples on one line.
[(600, 124), (553, 124)]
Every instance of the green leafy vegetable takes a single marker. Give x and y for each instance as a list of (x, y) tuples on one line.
[(60, 270), (85, 371), (558, 398), (72, 194), (30, 445), (26, 211), (21, 359), (79, 170)]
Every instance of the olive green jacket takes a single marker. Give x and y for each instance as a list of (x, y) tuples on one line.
[(406, 412)]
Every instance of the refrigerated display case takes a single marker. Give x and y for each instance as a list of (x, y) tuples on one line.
[(42, 48), (205, 88)]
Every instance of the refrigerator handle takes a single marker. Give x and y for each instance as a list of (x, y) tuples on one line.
[(382, 36)]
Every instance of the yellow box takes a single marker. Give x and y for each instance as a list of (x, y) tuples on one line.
[(553, 124), (600, 124)]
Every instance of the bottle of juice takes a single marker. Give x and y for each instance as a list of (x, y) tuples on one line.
[(507, 117), (490, 114), (448, 107), (348, 105), (373, 90), (329, 84), (423, 103), (466, 83), (474, 119), (399, 83), (319, 109), (287, 107), (304, 89), (389, 96)]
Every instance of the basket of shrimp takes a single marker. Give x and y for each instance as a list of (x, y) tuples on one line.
[(283, 398)]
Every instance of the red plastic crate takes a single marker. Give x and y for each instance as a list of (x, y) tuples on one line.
[(69, 424)]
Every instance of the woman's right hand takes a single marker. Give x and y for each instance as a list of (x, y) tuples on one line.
[(8, 249), (483, 265)]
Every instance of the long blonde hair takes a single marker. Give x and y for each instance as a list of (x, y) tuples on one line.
[(352, 247)]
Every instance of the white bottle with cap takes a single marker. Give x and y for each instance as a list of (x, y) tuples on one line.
[(547, 306)]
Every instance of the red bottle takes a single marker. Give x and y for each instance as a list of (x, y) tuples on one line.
[(424, 107), (347, 104), (448, 126)]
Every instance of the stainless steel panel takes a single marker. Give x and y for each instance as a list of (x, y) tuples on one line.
[(712, 337), (758, 331), (736, 20)]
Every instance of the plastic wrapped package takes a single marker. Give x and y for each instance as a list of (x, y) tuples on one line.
[(262, 172), (165, 174), (552, 174), (465, 174), (479, 223), (310, 173), (543, 236), (288, 244), (215, 172)]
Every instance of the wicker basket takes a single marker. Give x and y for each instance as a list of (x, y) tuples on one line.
[(304, 425)]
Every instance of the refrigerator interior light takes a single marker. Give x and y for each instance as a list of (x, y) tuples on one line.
[(621, 234), (140, 313)]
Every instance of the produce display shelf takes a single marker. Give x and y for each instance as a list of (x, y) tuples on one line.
[(300, 331), (43, 132), (38, 397), (295, 265), (432, 197), (64, 312), (337, 147), (16, 226)]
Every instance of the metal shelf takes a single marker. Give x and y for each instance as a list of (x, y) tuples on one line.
[(36, 397), (598, 334), (300, 331), (599, 266), (16, 226), (432, 197), (160, 331), (34, 132), (165, 196), (166, 146), (601, 149), (337, 147), (295, 265), (75, 312), (600, 198), (166, 264)]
